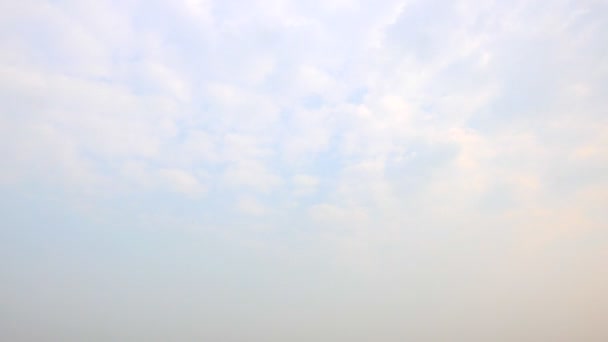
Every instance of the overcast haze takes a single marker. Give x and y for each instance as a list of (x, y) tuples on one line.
[(307, 170)]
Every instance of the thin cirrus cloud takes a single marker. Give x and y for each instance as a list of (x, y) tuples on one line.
[(303, 170)]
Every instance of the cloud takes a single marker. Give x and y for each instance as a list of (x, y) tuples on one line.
[(470, 103), (182, 181), (386, 147), (305, 184), (251, 206), (251, 174)]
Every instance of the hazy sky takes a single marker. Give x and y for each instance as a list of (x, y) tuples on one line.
[(309, 170)]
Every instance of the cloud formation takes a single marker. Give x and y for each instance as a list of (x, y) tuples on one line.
[(395, 170)]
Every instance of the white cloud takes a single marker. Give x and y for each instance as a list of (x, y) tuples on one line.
[(166, 79), (251, 175), (182, 181), (314, 80), (305, 184), (241, 109)]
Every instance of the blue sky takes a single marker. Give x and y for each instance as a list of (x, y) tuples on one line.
[(282, 170)]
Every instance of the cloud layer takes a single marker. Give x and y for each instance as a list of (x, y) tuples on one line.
[(304, 170)]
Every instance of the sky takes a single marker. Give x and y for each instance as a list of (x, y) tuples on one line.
[(304, 170)]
